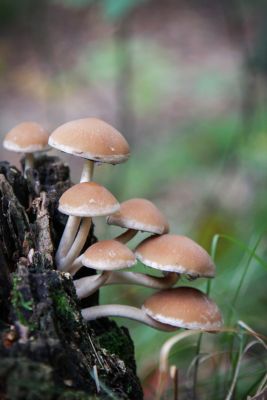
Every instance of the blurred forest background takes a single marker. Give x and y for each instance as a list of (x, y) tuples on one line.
[(186, 83)]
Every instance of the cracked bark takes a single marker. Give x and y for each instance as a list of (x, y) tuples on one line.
[(47, 351)]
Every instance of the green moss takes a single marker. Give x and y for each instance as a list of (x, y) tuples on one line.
[(65, 310), (116, 342), (21, 305), (62, 304)]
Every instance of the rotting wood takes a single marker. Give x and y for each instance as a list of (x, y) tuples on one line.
[(47, 351)]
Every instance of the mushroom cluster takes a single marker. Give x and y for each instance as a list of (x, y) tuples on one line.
[(169, 308)]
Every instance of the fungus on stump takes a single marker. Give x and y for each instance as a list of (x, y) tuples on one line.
[(39, 303)]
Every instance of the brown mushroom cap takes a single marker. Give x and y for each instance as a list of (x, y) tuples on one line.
[(184, 307), (88, 199), (175, 254), (141, 215), (91, 138), (108, 255), (26, 137)]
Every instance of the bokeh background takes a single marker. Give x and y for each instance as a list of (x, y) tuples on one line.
[(186, 83)]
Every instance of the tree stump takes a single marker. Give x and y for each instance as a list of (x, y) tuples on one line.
[(47, 351)]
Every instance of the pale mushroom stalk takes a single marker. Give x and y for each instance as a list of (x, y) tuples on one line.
[(85, 288), (129, 278), (76, 265), (67, 238), (63, 264), (73, 223), (88, 170), (126, 236), (29, 163), (149, 281), (118, 310), (86, 285)]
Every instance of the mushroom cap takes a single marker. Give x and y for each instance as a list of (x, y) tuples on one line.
[(26, 137), (108, 255), (175, 253), (141, 215), (184, 307), (88, 199), (91, 138)]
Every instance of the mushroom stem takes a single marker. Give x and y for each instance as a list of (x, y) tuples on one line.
[(85, 287), (73, 223), (67, 238), (126, 236), (149, 281), (88, 170), (130, 278), (118, 310), (29, 163), (77, 246), (76, 265)]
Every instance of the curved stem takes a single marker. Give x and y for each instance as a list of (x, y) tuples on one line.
[(85, 287), (126, 236), (118, 310), (168, 345), (164, 357), (65, 263), (88, 170), (153, 282), (67, 238), (76, 265), (65, 251), (130, 278)]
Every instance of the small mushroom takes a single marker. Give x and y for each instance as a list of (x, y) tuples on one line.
[(92, 139), (106, 256), (27, 138), (175, 253), (168, 253), (84, 200), (138, 215), (182, 307)]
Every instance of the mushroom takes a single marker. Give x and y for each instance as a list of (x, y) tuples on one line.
[(92, 139), (27, 138), (106, 256), (84, 200), (182, 307), (175, 253), (138, 215), (168, 253)]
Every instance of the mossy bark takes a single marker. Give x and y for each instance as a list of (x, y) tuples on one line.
[(47, 351)]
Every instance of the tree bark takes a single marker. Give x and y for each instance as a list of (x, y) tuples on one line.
[(47, 351)]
